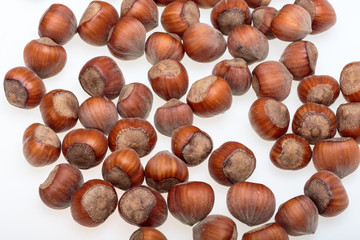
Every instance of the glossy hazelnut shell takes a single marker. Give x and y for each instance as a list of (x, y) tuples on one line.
[(327, 192), (23, 88), (103, 73), (215, 227), (63, 181), (44, 57), (58, 23), (349, 86), (191, 202), (338, 155), (347, 116), (257, 3), (322, 89), (239, 169), (96, 23), (84, 148), (269, 231), (135, 100), (206, 3), (250, 203), (147, 233), (262, 18)]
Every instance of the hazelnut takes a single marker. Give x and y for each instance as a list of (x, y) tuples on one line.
[(272, 79), (257, 3), (101, 76), (169, 79), (135, 133), (320, 89), (350, 82), (59, 110), (191, 145), (127, 39), (269, 231), (147, 233), (206, 3), (236, 73), (262, 18), (228, 14), (160, 46), (338, 155), (96, 23), (250, 203), (93, 203), (171, 115), (178, 15), (209, 96), (143, 206), (145, 11), (215, 227), (123, 169), (190, 202), (23, 88), (348, 120), (60, 185), (99, 113), (322, 14), (165, 170), (269, 118), (84, 148), (135, 100), (314, 122), (327, 192), (58, 23), (232, 162), (291, 152), (298, 216), (41, 145), (292, 23), (248, 43), (44, 57)]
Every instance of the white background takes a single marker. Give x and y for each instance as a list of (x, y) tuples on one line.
[(24, 216)]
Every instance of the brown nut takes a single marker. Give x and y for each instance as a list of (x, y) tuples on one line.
[(123, 169), (215, 227), (44, 57), (93, 203), (143, 206), (63, 181), (147, 233), (165, 170), (327, 192), (250, 203), (135, 100), (191, 144), (23, 88), (101, 76), (262, 18), (347, 117), (320, 89), (209, 96), (96, 23), (58, 23), (84, 148), (41, 145), (59, 110), (350, 82), (135, 133), (257, 3), (269, 231), (206, 3), (191, 202), (232, 162)]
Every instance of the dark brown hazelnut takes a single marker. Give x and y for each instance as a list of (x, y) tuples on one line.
[(145, 11), (250, 203), (135, 100), (123, 169), (191, 144), (269, 231), (191, 202), (93, 203), (215, 227), (348, 120), (248, 43), (257, 3), (350, 82), (84, 148), (169, 79), (262, 18), (203, 43), (63, 181), (291, 152), (165, 170), (41, 145), (232, 162), (59, 110), (147, 233), (101, 76), (135, 133), (143, 206), (206, 3), (23, 88)]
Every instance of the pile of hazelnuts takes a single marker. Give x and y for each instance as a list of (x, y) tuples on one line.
[(133, 137)]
